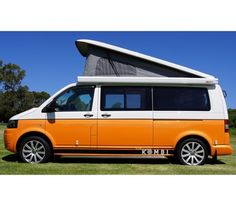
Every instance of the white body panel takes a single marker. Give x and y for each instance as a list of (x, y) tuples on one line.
[(218, 107)]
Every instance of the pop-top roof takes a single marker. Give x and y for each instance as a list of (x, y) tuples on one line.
[(108, 60)]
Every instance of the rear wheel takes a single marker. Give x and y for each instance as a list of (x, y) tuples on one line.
[(34, 149), (192, 152)]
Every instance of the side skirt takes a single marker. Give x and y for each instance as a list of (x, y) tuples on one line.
[(115, 152)]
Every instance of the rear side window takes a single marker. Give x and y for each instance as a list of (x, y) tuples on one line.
[(181, 98), (126, 98)]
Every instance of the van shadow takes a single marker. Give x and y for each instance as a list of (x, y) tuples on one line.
[(111, 160), (11, 158), (91, 160)]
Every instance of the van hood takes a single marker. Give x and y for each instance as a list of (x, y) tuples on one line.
[(23, 114)]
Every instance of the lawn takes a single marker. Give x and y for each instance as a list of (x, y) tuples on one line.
[(10, 165)]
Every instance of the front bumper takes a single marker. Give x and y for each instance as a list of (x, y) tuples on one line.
[(10, 139)]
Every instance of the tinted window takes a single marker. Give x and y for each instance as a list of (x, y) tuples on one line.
[(181, 98), (75, 99), (114, 99), (126, 98)]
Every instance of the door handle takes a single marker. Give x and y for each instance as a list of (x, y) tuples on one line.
[(88, 115), (105, 115)]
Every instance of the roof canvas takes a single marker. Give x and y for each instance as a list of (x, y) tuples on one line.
[(96, 51)]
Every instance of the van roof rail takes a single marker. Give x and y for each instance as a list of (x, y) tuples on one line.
[(145, 80)]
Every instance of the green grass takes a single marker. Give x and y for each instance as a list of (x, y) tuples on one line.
[(10, 165), (233, 132)]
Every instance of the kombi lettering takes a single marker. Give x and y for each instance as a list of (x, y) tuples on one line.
[(155, 152)]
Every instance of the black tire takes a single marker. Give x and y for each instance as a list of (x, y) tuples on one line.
[(192, 151), (56, 158), (34, 149), (172, 159)]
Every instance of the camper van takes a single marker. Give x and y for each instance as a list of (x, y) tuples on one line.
[(126, 104)]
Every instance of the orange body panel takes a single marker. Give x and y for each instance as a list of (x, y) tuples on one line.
[(125, 133), (122, 134), (168, 132), (72, 132)]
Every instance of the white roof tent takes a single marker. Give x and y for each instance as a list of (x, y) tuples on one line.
[(106, 63)]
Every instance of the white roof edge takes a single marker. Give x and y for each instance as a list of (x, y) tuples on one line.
[(144, 80), (82, 48)]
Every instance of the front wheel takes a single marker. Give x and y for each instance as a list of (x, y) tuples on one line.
[(34, 149), (192, 152)]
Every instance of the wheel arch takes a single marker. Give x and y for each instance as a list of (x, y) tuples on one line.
[(33, 133), (203, 139)]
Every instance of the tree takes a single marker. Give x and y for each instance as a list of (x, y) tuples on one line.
[(232, 117), (1, 74), (15, 98), (39, 97), (11, 76)]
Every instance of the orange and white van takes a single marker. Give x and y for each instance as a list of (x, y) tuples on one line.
[(126, 105)]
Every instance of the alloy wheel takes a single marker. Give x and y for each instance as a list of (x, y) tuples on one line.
[(193, 153), (33, 151)]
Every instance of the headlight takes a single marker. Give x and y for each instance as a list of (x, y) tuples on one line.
[(12, 124)]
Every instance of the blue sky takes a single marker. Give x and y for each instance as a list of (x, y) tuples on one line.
[(51, 59)]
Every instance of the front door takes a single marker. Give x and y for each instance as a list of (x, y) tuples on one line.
[(125, 117), (74, 122)]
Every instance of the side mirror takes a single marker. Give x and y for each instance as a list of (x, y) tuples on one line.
[(50, 107)]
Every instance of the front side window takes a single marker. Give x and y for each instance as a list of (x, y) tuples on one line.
[(181, 99), (126, 98), (77, 98)]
